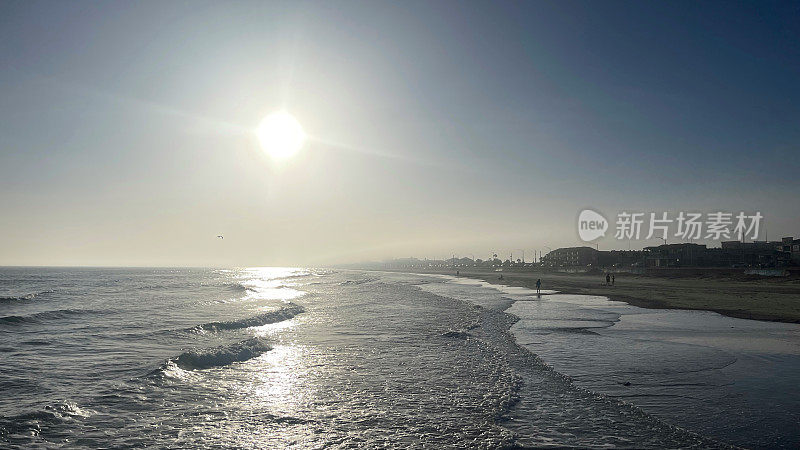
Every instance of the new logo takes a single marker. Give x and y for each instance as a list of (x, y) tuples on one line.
[(591, 225)]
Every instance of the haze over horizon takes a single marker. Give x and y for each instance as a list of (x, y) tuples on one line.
[(127, 129)]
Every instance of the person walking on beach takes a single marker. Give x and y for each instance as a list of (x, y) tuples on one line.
[(608, 279), (612, 280), (538, 285)]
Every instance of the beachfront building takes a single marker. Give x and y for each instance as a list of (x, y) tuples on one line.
[(677, 255), (783, 253), (753, 254), (790, 247), (618, 259), (731, 254), (570, 257)]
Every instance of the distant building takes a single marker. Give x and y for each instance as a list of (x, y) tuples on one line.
[(570, 256), (761, 254), (796, 252), (731, 254), (752, 254), (790, 247), (621, 258), (676, 255)]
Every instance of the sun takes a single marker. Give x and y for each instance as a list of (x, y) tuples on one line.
[(281, 135)]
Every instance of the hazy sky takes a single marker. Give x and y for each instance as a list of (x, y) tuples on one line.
[(126, 128)]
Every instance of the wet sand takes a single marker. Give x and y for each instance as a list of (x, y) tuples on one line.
[(775, 300)]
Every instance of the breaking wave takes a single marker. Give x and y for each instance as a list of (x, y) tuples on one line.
[(20, 298), (49, 414), (237, 287), (217, 356), (285, 313)]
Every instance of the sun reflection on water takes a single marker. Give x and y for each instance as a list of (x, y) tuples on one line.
[(278, 385)]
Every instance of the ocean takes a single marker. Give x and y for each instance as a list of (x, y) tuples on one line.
[(299, 358)]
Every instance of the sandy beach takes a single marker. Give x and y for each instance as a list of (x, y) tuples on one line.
[(767, 299)]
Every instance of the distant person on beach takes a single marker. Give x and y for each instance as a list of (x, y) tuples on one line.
[(501, 277), (538, 285), (608, 279), (612, 280), (456, 273)]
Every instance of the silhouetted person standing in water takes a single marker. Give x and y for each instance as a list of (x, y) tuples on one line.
[(608, 279), (538, 285), (612, 280)]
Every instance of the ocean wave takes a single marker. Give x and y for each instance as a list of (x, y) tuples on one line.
[(237, 287), (36, 342), (59, 412), (285, 313), (19, 298), (297, 275), (43, 316), (215, 357), (230, 286)]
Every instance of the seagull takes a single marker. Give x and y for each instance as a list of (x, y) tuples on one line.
[(220, 236)]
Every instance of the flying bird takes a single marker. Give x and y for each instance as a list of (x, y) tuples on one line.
[(220, 236)]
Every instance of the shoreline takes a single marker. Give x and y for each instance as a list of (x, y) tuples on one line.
[(764, 300), (495, 326)]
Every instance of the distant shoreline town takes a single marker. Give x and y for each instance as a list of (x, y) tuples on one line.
[(766, 258)]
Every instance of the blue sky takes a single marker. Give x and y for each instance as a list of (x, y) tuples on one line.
[(437, 127)]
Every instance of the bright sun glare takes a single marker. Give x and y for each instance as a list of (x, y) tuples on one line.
[(281, 135)]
